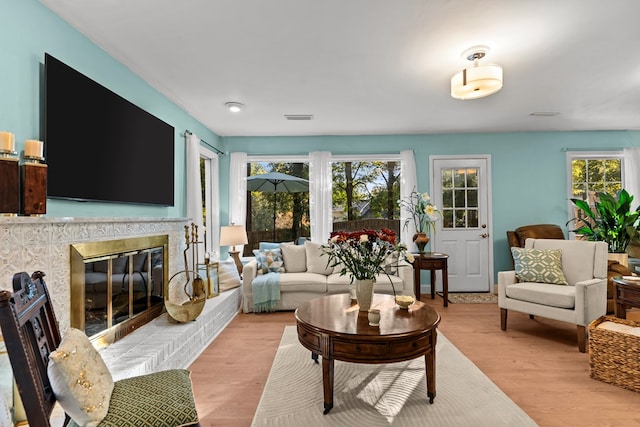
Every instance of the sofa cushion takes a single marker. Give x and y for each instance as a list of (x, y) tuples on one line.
[(303, 282), (295, 258), (390, 263), (543, 293), (317, 262), (270, 261), (337, 269), (538, 265)]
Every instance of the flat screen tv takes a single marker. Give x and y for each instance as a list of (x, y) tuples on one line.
[(101, 147)]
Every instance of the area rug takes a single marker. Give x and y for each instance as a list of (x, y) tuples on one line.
[(471, 297), (383, 395)]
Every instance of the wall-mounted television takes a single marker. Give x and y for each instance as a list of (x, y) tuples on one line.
[(101, 147)]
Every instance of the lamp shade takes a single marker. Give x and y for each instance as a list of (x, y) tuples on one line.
[(231, 235), (476, 82)]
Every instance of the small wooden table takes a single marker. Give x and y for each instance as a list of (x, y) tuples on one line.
[(431, 261), (334, 328), (626, 295)]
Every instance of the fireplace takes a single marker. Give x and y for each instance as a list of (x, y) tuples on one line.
[(117, 285)]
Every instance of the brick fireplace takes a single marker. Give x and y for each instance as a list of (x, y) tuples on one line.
[(42, 243)]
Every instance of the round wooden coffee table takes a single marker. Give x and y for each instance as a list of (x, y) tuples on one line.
[(334, 328)]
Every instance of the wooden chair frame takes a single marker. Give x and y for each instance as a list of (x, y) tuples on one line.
[(31, 333)]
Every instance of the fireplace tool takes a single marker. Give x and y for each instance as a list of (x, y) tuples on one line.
[(186, 293)]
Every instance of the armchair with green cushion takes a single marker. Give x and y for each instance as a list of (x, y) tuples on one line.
[(564, 280), (49, 367)]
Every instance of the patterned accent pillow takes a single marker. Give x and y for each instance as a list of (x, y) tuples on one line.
[(539, 265), (270, 261), (80, 379)]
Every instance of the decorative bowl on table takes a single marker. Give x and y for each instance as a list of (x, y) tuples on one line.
[(404, 301)]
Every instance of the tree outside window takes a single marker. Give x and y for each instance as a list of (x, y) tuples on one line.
[(593, 173)]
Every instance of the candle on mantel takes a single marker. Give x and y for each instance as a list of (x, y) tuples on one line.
[(33, 148), (7, 141)]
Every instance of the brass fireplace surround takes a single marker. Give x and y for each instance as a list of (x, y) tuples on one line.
[(131, 276)]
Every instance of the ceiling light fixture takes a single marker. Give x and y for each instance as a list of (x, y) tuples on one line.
[(234, 107), (477, 81)]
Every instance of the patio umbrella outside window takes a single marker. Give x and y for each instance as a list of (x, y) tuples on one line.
[(276, 182)]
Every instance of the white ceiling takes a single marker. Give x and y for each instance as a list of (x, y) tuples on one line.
[(376, 66)]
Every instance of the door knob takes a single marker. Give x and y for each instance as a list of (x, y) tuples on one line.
[(484, 235)]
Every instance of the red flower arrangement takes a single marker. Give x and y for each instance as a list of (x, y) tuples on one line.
[(364, 253)]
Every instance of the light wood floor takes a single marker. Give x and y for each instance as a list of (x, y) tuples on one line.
[(535, 362)]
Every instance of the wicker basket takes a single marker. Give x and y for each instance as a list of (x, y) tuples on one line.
[(613, 356)]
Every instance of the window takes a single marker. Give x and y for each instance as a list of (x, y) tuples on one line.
[(365, 193), (279, 216), (366, 190), (208, 180), (460, 197), (592, 173)]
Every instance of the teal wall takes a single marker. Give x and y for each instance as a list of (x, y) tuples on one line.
[(529, 176), (529, 172), (28, 31)]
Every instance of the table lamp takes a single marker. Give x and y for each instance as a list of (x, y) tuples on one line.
[(232, 235)]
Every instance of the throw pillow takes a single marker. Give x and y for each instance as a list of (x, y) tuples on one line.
[(538, 265), (270, 261), (263, 246), (295, 258), (80, 379), (272, 245), (317, 261), (228, 276)]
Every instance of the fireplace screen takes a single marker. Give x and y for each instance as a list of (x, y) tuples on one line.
[(117, 285)]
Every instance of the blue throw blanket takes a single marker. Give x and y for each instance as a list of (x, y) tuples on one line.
[(266, 292)]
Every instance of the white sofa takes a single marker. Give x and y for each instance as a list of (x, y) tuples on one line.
[(307, 276)]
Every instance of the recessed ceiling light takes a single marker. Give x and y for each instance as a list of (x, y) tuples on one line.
[(234, 107)]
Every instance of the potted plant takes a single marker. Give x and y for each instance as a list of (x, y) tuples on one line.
[(610, 220), (423, 213)]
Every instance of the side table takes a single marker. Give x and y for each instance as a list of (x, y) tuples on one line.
[(626, 295), (431, 261)]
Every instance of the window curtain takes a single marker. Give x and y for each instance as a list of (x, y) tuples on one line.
[(194, 186), (408, 183), (320, 196), (214, 228), (632, 173), (238, 190)]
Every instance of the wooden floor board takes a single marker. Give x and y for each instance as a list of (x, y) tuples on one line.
[(535, 362)]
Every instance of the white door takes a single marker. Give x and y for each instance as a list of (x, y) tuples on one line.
[(460, 188)]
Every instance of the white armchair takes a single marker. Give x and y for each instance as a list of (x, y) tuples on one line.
[(583, 298)]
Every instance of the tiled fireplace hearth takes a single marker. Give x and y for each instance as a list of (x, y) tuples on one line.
[(41, 243)]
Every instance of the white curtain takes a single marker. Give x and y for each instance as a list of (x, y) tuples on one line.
[(238, 190), (320, 195), (408, 183), (632, 173), (214, 228), (194, 186)]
